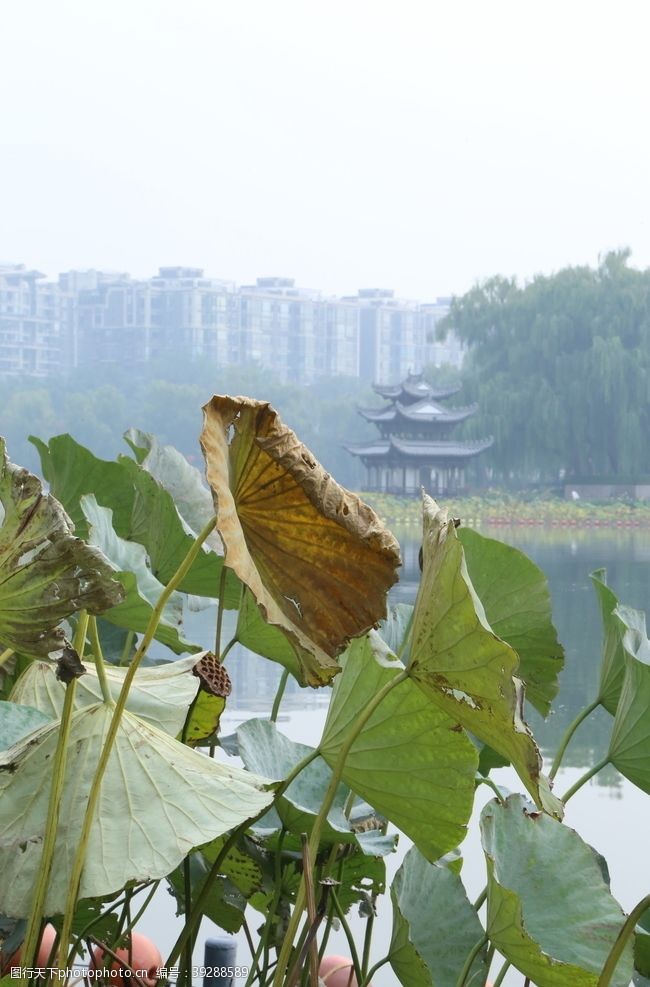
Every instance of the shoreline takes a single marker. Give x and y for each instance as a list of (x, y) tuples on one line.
[(506, 512)]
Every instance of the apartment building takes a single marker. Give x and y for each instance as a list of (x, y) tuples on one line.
[(392, 342), (101, 317), (297, 332), (30, 323), (113, 318)]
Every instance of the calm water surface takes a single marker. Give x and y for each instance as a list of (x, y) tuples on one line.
[(609, 813)]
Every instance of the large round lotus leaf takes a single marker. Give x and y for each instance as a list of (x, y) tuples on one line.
[(46, 574), (514, 593), (160, 694), (629, 747), (550, 911), (434, 926), (461, 664), (411, 762), (318, 561), (159, 799)]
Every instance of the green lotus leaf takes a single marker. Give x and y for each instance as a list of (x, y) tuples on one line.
[(244, 872), (318, 561), (131, 839), (225, 904), (173, 472), (461, 664), (612, 666), (642, 945), (143, 511), (550, 911), (629, 747), (514, 593), (265, 750), (46, 574), (71, 471), (141, 588), (411, 761), (160, 694), (394, 629), (362, 876), (266, 640), (17, 720), (434, 926)]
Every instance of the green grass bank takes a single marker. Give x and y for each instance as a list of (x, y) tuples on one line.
[(507, 510)]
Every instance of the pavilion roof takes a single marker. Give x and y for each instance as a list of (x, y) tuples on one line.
[(420, 448), (427, 410), (415, 387)]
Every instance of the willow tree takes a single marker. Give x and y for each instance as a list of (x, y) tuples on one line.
[(560, 368)]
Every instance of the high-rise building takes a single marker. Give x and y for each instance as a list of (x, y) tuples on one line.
[(30, 323), (297, 332), (99, 317), (114, 319), (391, 336)]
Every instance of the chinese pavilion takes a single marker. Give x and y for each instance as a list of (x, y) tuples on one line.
[(415, 448)]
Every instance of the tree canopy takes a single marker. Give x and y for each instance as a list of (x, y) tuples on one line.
[(560, 368), (96, 405)]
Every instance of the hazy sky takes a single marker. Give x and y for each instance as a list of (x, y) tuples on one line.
[(406, 144)]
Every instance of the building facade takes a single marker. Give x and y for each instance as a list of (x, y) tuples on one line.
[(90, 318), (31, 340)]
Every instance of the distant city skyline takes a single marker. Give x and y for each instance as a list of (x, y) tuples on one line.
[(86, 318)]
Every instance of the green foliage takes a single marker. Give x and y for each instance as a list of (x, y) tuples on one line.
[(166, 397), (560, 368), (427, 896), (533, 921), (100, 799), (522, 616)]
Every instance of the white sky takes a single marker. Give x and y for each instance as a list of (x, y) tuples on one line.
[(406, 144)]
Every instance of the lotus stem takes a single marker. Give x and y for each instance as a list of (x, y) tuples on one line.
[(627, 930), (33, 931), (310, 893), (314, 840), (126, 650), (95, 788), (373, 970), (501, 974), (122, 963), (469, 962), (571, 729), (491, 784), (204, 893), (100, 668), (5, 656), (220, 608), (279, 694), (585, 778), (480, 901), (367, 938)]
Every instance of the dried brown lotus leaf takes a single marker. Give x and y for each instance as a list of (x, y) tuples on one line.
[(318, 561)]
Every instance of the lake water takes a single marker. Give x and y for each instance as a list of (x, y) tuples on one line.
[(609, 813)]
